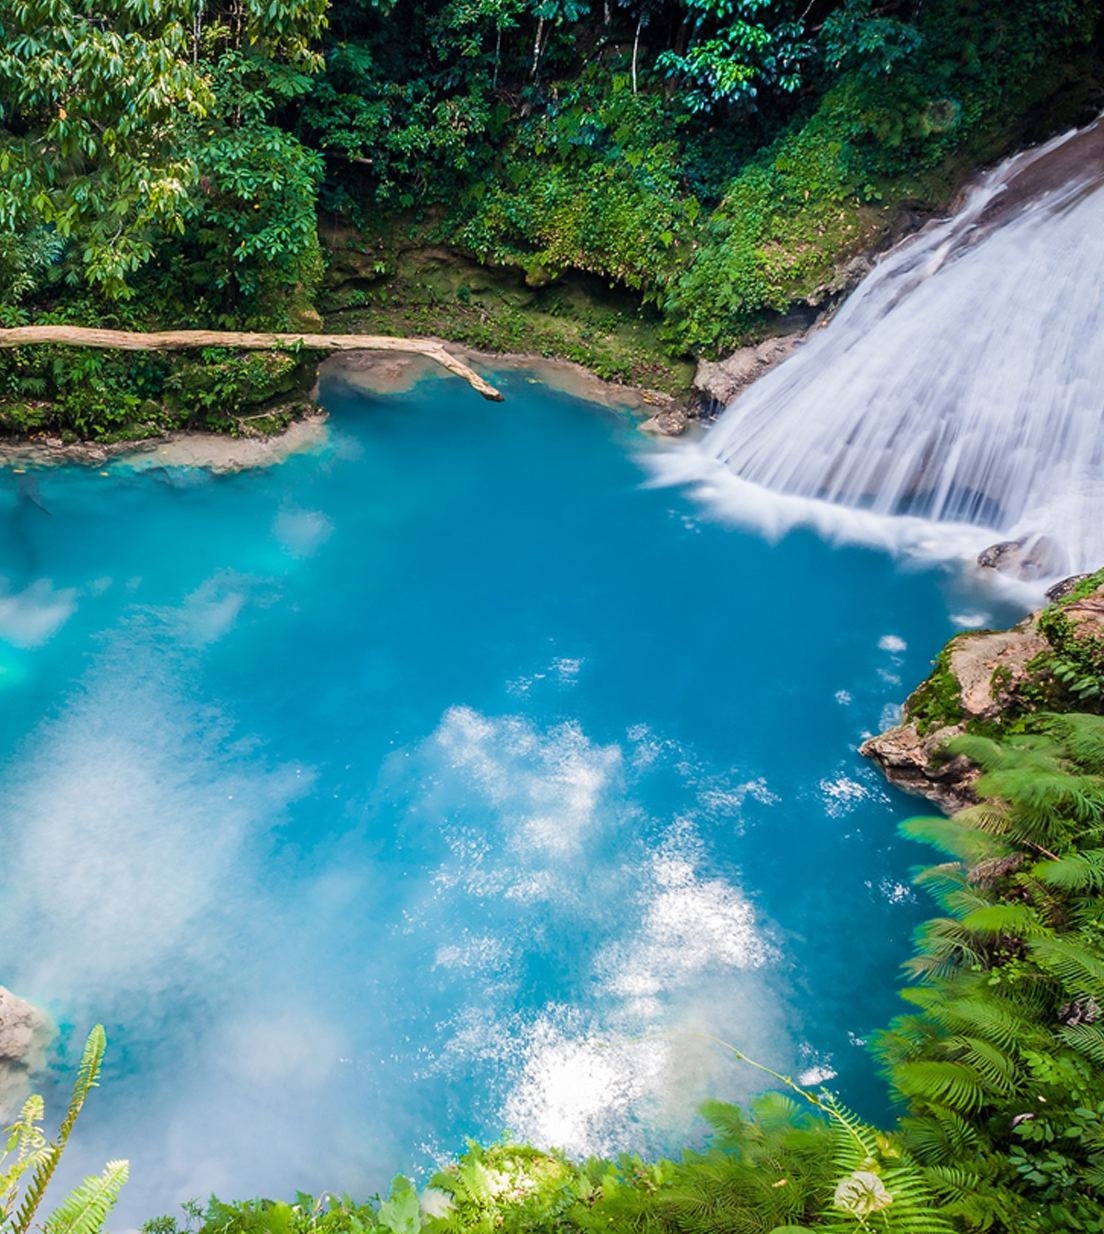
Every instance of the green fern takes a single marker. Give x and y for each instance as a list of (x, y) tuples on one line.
[(1083, 871), (86, 1207), (27, 1142)]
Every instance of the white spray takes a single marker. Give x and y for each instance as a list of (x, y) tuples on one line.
[(956, 398)]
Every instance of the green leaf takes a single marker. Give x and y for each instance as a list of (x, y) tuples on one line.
[(85, 1209), (400, 1212)]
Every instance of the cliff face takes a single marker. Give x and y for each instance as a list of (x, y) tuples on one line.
[(993, 682)]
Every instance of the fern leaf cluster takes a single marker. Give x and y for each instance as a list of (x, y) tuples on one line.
[(85, 1209)]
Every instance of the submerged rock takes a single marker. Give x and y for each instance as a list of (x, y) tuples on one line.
[(1060, 590), (671, 422), (26, 1032), (719, 383)]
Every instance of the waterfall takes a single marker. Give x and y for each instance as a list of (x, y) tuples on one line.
[(957, 397)]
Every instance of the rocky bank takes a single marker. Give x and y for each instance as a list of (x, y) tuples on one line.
[(993, 682)]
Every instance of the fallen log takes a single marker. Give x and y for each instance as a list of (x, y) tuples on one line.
[(177, 340)]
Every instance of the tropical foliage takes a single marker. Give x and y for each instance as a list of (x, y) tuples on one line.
[(167, 162)]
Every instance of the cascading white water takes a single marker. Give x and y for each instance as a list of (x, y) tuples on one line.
[(957, 397)]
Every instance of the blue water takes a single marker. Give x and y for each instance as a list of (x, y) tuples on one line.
[(388, 796)]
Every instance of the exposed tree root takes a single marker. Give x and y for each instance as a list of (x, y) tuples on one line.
[(177, 340)]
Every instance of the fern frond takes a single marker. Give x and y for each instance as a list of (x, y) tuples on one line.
[(1078, 969), (1081, 736), (86, 1207), (1016, 920), (991, 1019), (996, 1069), (959, 836), (939, 1082), (87, 1077), (26, 1140), (940, 1135), (1087, 1038), (1083, 871)]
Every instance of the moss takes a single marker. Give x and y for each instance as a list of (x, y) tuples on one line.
[(398, 281), (218, 386), (937, 701)]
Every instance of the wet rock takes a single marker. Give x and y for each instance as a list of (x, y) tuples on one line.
[(26, 1033), (1030, 557), (719, 383), (1060, 590), (670, 422), (911, 762)]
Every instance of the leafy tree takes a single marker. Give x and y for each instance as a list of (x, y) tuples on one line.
[(92, 99), (739, 46)]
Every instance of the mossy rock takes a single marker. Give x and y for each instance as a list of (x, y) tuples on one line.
[(220, 384), (937, 701)]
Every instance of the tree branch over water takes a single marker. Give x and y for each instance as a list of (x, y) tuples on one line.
[(179, 340)]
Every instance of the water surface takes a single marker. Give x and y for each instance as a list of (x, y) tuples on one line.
[(385, 797)]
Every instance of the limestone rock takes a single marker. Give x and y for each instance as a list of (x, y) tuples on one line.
[(720, 382), (910, 762), (989, 666), (670, 422), (26, 1033)]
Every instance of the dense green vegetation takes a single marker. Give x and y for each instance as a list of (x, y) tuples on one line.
[(713, 162), (998, 1067)]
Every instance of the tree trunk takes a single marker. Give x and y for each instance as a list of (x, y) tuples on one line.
[(636, 50), (181, 340), (537, 47), (680, 39)]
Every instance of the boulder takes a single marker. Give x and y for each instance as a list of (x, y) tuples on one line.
[(671, 422), (26, 1033), (719, 382), (987, 667), (910, 761), (1031, 557)]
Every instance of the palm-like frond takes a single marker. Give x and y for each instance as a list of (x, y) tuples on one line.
[(1083, 871), (992, 1019), (998, 1072), (940, 1136), (1086, 1038), (1075, 966), (958, 836), (933, 1080)]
